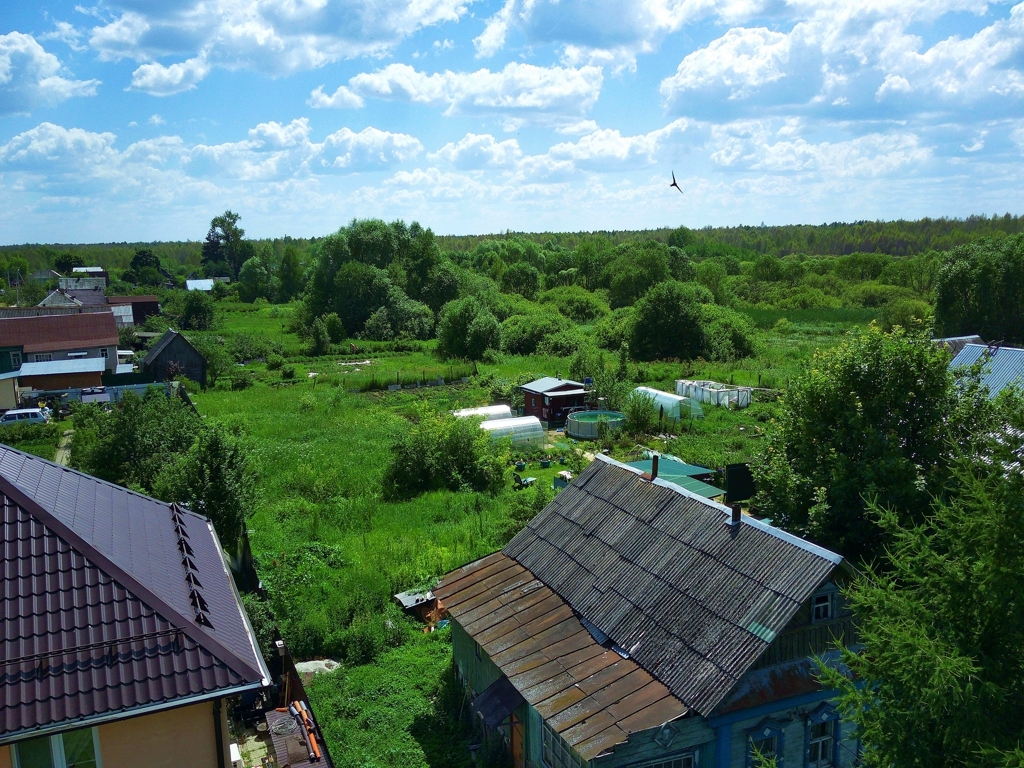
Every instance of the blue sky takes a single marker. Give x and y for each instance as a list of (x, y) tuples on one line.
[(141, 120)]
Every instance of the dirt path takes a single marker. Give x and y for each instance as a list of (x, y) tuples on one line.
[(64, 449)]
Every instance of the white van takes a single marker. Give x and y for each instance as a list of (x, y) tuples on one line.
[(24, 416)]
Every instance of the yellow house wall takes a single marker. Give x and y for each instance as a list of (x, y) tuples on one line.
[(5, 757), (168, 739)]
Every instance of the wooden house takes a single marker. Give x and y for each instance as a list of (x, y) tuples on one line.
[(633, 623), (124, 636), (552, 399), (173, 354)]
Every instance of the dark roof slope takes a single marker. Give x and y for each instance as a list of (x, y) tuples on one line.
[(162, 343), (89, 297), (694, 600), (51, 333), (592, 696), (111, 600), (132, 299)]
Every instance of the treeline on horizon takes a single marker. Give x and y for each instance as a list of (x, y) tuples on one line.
[(895, 238)]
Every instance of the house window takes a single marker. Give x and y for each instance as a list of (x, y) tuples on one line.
[(103, 352), (681, 761), (555, 753), (44, 357), (74, 749), (16, 359), (533, 402), (765, 743), (822, 607), (821, 744)]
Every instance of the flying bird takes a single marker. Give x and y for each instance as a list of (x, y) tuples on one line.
[(675, 184)]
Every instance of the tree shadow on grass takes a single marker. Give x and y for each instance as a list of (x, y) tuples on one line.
[(445, 733)]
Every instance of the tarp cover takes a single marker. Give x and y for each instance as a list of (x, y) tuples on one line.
[(496, 703)]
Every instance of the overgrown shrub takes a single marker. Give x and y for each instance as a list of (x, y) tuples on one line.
[(274, 362), (466, 329), (612, 331), (641, 415), (242, 379), (576, 303), (288, 372), (523, 334), (442, 452)]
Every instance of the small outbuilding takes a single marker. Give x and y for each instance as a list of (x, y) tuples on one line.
[(142, 307), (553, 399), (174, 354)]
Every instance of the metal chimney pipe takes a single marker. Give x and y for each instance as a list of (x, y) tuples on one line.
[(654, 467), (737, 514)]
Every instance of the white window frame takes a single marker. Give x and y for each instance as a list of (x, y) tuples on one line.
[(57, 755), (104, 352), (689, 759), (43, 357), (826, 600), (830, 738)]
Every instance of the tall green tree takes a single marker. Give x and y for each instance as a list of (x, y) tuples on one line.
[(939, 682), (466, 329), (636, 269), (225, 249), (980, 289), (877, 418), (521, 278), (667, 322), (289, 275), (67, 261), (197, 311)]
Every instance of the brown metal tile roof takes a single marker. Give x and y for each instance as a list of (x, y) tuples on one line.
[(693, 600), (52, 333), (112, 603), (591, 695)]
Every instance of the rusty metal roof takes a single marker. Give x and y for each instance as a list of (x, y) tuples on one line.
[(133, 299), (52, 333), (112, 603), (660, 571), (592, 696)]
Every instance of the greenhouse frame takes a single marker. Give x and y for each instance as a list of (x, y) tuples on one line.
[(524, 430), (488, 412), (677, 408), (714, 393)]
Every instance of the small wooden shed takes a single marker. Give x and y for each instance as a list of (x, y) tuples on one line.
[(173, 354)]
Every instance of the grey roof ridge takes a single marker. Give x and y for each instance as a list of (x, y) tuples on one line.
[(778, 533), (228, 657)]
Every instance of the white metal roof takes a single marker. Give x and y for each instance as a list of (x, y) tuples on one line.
[(548, 383), (489, 412), (199, 285), (55, 367)]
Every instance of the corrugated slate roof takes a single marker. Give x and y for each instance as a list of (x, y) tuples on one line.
[(693, 600), (88, 297), (1005, 368), (51, 333), (112, 601), (548, 383), (592, 696)]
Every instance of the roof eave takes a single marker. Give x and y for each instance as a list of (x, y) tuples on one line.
[(128, 712)]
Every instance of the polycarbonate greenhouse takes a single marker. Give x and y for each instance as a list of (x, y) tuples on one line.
[(525, 430), (488, 412), (677, 408)]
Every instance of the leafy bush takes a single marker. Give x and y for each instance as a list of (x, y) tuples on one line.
[(196, 311), (668, 322), (242, 379), (563, 343), (576, 303), (288, 372), (906, 313), (274, 362), (612, 331), (521, 278), (466, 329), (250, 346), (335, 328), (523, 334), (442, 452), (875, 294), (726, 334), (640, 413), (636, 269), (320, 338)]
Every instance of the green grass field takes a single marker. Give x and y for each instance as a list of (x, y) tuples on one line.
[(332, 552)]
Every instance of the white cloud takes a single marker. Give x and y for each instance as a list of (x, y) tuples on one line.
[(578, 129), (518, 90), (492, 39), (741, 61), (272, 36), (158, 80), (444, 45), (479, 151), (30, 76), (66, 33), (281, 150), (893, 84), (49, 146), (341, 98), (156, 120), (979, 143)]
